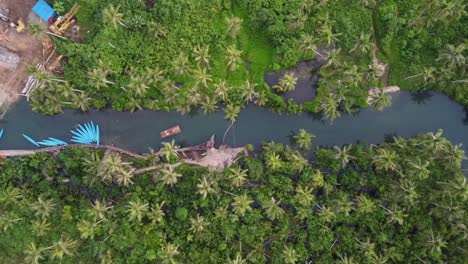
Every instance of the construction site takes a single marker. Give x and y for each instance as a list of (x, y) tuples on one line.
[(27, 32)]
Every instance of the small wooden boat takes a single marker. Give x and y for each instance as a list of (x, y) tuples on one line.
[(170, 132)]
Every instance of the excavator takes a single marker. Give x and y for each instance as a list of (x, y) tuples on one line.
[(63, 22), (5, 16)]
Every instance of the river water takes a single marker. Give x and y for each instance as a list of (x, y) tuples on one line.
[(139, 131)]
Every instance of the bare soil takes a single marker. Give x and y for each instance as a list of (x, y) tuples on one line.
[(24, 44)]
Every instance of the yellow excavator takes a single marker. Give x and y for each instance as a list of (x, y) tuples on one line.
[(63, 22)]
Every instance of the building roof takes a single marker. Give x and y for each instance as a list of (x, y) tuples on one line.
[(44, 10)]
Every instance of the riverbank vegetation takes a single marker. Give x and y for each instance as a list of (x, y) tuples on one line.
[(404, 201), (189, 55)]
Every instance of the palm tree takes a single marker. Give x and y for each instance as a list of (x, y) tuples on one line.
[(168, 253), (427, 75), (169, 176), (231, 112), (156, 214), (297, 161), (396, 215), (272, 209), (326, 34), (248, 91), (307, 45), (133, 104), (180, 65), (435, 243), (112, 15), (156, 30), (367, 3), (304, 195), (380, 100), (170, 150), (290, 255), (198, 224), (409, 193), (209, 105), (222, 89), (99, 210), (261, 98), (241, 204), (343, 155), (452, 56), (364, 44), (385, 159), (449, 11), (353, 75), (205, 187), (87, 229), (304, 139), (81, 101), (364, 204), (296, 22), (325, 213), (419, 168), (10, 196), (234, 25), (137, 209), (329, 107), (98, 78), (237, 260), (202, 56), (233, 58), (138, 85), (286, 83), (34, 254), (333, 58), (346, 260), (40, 227), (64, 247), (201, 76), (43, 207), (124, 178), (237, 176), (273, 161)]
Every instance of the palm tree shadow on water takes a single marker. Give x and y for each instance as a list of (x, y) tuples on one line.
[(422, 96)]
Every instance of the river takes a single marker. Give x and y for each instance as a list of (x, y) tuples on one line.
[(139, 131)]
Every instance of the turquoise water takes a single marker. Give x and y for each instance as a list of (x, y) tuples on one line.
[(140, 130)]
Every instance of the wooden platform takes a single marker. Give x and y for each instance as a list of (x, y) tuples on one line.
[(170, 132)]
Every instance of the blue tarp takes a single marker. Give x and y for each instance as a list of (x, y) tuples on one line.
[(43, 10)]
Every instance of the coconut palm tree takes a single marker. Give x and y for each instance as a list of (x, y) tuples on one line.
[(156, 30), (409, 193), (304, 139), (10, 196), (168, 253), (237, 260), (364, 205), (329, 108), (261, 98), (272, 209), (364, 44), (380, 100), (202, 56), (326, 34), (453, 56), (87, 229), (169, 176), (81, 101), (273, 161), (297, 161), (234, 25), (198, 224), (64, 247), (296, 22), (40, 227), (290, 255), (419, 168), (395, 215), (137, 209), (237, 176), (231, 112), (241, 204), (113, 16), (304, 195), (170, 150), (343, 155), (134, 104), (346, 260), (156, 214), (34, 254), (333, 58), (233, 58), (427, 75), (205, 187), (385, 159), (138, 85), (202, 76), (306, 6), (43, 207), (125, 176), (248, 91), (209, 105), (307, 45), (435, 243), (98, 78), (325, 213), (222, 89), (318, 180), (286, 83), (353, 75), (449, 11), (180, 65), (99, 210)]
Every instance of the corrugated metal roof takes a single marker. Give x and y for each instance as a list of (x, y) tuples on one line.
[(43, 10)]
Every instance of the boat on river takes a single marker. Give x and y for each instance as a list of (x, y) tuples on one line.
[(170, 132)]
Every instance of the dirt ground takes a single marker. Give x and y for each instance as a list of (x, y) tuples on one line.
[(24, 44)]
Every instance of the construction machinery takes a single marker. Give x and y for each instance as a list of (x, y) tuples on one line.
[(63, 22), (5, 16)]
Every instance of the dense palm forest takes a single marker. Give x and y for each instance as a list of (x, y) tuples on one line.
[(404, 201), (186, 55)]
